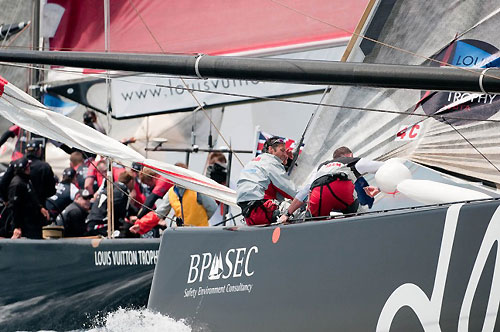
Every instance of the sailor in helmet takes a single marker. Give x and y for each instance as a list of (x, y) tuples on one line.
[(263, 181)]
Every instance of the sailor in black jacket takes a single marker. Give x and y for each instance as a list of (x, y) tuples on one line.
[(28, 213), (42, 176), (74, 215), (66, 191)]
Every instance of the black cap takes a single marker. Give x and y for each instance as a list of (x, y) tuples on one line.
[(69, 172), (136, 166), (33, 145), (85, 194), (20, 163)]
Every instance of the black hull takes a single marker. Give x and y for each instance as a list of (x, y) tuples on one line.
[(63, 284), (343, 275)]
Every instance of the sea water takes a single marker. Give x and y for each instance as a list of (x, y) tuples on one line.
[(132, 320)]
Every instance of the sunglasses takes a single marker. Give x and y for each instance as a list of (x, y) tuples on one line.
[(277, 140)]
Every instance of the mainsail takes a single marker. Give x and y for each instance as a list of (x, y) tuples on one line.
[(20, 108), (383, 124)]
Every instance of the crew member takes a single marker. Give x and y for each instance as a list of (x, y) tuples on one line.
[(263, 180), (217, 171), (90, 119), (97, 219), (77, 162), (65, 193), (190, 209), (42, 176), (74, 215), (331, 187), (160, 186), (96, 172), (28, 213)]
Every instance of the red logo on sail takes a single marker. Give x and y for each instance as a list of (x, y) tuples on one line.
[(408, 133)]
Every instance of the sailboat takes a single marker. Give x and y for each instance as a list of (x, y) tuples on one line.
[(430, 267)]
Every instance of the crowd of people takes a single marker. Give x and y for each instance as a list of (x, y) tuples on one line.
[(142, 199), (32, 196)]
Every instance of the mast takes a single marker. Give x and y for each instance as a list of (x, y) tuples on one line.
[(110, 213), (278, 70), (34, 73)]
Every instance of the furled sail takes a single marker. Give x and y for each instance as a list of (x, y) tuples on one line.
[(20, 108), (462, 134)]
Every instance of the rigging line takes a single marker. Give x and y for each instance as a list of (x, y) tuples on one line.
[(479, 22), (210, 119), (327, 105), (301, 102), (470, 143), (374, 40), (185, 84), (297, 151), (10, 26)]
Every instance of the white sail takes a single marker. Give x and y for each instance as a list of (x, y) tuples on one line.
[(23, 110)]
